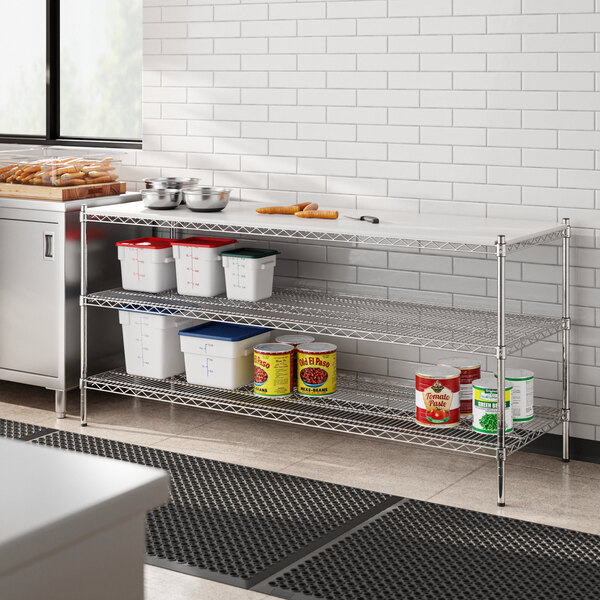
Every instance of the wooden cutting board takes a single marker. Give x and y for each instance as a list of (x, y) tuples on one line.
[(62, 194)]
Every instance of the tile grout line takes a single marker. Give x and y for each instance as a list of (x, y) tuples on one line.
[(429, 498)]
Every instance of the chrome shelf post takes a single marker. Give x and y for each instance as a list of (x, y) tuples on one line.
[(501, 357), (566, 335), (83, 317)]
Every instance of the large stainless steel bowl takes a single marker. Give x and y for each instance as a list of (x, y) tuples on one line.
[(162, 183), (206, 199), (161, 199)]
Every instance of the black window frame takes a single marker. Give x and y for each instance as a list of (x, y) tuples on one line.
[(53, 137)]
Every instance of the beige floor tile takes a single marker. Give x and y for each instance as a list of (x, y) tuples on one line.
[(251, 442), (556, 465), (532, 494), (161, 584), (388, 467)]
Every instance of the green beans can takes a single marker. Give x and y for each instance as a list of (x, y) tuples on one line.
[(485, 406)]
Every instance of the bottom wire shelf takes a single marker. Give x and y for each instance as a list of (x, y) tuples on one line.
[(363, 406)]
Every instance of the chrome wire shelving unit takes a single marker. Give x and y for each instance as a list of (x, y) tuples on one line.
[(375, 407)]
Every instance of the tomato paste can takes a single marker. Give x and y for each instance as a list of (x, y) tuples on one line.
[(295, 339), (521, 398), (437, 396), (470, 370), (317, 369), (273, 367), (485, 406)]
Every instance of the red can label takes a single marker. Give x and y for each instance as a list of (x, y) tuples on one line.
[(437, 401)]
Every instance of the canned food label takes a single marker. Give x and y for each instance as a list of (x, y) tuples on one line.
[(522, 399), (438, 401), (485, 410), (317, 373), (273, 374), (467, 377)]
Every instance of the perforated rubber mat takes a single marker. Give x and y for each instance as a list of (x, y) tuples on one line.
[(21, 431), (233, 523), (424, 551)]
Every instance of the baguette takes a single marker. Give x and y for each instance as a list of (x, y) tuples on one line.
[(318, 214), (108, 178)]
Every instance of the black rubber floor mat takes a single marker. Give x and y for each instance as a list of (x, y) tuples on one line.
[(232, 523), (423, 551), (22, 431)]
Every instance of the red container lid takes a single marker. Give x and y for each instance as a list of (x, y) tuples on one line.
[(203, 242), (151, 243)]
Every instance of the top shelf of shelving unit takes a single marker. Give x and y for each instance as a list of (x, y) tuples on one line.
[(396, 229)]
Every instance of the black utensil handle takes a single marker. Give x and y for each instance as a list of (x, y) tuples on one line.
[(370, 219)]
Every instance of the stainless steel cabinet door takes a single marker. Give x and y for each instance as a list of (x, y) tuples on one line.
[(31, 273)]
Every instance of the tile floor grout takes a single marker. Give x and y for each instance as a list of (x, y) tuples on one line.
[(431, 498)]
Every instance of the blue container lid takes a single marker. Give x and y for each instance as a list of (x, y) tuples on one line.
[(227, 332)]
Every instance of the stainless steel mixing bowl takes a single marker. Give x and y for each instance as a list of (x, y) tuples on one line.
[(161, 199), (206, 199), (162, 183)]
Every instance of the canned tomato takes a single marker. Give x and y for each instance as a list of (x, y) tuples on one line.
[(470, 370), (273, 369), (317, 369), (295, 340), (485, 406), (437, 396), (521, 397)]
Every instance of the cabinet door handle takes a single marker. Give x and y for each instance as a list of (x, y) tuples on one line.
[(48, 246)]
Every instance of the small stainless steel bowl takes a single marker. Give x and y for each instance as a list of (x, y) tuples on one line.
[(157, 183), (162, 183), (161, 199), (206, 199)]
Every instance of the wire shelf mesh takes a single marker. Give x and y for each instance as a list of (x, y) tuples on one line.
[(355, 317), (373, 239), (373, 407)]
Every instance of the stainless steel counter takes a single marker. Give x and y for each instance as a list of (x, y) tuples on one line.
[(39, 291)]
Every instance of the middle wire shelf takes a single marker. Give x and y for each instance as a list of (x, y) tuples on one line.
[(355, 317)]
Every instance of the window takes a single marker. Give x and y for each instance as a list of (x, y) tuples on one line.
[(77, 75), (23, 88)]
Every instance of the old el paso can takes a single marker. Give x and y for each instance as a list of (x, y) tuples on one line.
[(437, 396), (317, 369), (273, 369)]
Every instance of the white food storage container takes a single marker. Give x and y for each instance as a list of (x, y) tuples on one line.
[(221, 354), (249, 273), (147, 264), (198, 265), (151, 344)]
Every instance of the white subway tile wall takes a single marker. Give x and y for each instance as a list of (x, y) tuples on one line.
[(481, 107)]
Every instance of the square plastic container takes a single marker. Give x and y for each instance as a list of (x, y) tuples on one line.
[(151, 344), (147, 264), (198, 265), (221, 354), (59, 166), (249, 273)]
